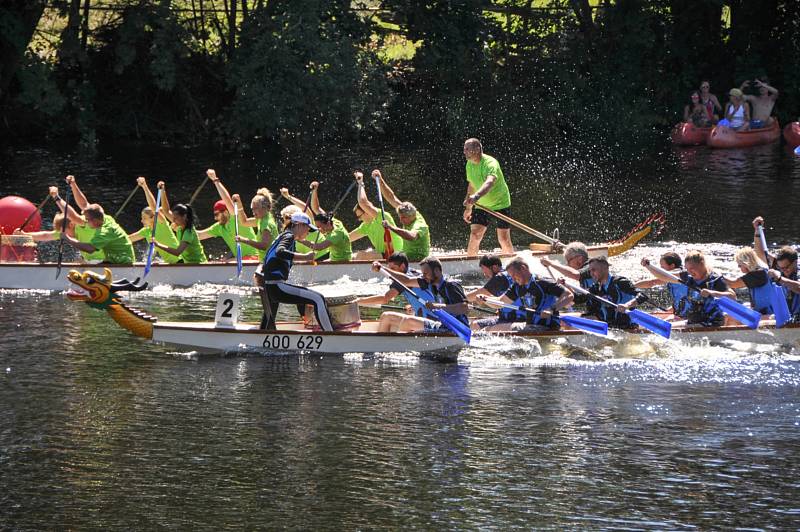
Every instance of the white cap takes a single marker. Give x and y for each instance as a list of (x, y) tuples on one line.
[(302, 218)]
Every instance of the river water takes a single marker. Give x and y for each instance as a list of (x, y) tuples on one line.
[(99, 430)]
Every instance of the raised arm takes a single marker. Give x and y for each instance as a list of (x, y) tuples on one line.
[(72, 216), (388, 193), (757, 247), (293, 200), (772, 91), (80, 199), (563, 269), (165, 208), (364, 202), (243, 219), (315, 198), (151, 200), (657, 272), (224, 195)]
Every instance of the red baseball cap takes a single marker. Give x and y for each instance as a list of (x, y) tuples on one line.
[(220, 206)]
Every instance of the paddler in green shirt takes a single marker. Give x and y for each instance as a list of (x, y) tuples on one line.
[(224, 226), (83, 231), (55, 234), (486, 187), (263, 221), (415, 232), (109, 237), (314, 208), (164, 232), (371, 225), (189, 248)]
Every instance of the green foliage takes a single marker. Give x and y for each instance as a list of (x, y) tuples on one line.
[(38, 89)]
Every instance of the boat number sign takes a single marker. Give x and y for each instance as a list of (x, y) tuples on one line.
[(227, 313), (309, 342)]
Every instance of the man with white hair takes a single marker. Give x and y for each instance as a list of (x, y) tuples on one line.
[(414, 231)]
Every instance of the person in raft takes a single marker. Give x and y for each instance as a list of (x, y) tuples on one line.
[(695, 112), (273, 273), (762, 103), (737, 113), (755, 279), (164, 232), (542, 298), (710, 101), (189, 249), (448, 295), (783, 268), (372, 225), (224, 225), (413, 228), (487, 188)]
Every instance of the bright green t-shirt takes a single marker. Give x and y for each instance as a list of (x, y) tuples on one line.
[(374, 231), (498, 196), (227, 232), (341, 249), (420, 247), (85, 233), (114, 242), (194, 253), (312, 237), (164, 235), (267, 223)]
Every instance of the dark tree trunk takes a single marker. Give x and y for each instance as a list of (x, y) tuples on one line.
[(85, 29), (22, 16), (584, 13)]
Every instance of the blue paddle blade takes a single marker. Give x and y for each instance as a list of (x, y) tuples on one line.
[(149, 262), (651, 323), (450, 321), (779, 306), (592, 326), (739, 312), (238, 260)]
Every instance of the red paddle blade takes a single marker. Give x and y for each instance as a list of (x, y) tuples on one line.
[(388, 248)]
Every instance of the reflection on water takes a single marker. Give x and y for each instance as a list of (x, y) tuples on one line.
[(102, 430)]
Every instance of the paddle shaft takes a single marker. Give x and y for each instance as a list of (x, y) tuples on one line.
[(518, 225), (341, 200), (387, 236), (30, 216), (238, 244), (127, 200), (63, 232), (152, 247), (197, 190)]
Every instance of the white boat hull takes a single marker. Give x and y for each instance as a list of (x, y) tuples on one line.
[(43, 276), (291, 337)]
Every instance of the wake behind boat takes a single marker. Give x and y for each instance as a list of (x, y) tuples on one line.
[(225, 334)]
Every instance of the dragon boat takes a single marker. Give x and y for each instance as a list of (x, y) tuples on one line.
[(101, 292), (42, 276)]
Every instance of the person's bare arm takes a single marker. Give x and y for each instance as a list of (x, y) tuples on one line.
[(467, 205), (224, 195), (563, 269), (789, 284), (165, 201), (71, 214), (473, 295), (379, 299), (481, 192), (39, 236), (151, 200), (135, 236), (648, 283), (172, 251), (772, 91), (735, 283), (364, 202), (293, 200), (405, 280), (77, 193), (386, 190), (315, 208)]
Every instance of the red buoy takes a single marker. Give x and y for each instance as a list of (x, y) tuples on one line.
[(13, 213)]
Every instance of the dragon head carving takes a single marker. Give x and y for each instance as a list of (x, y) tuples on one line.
[(97, 290)]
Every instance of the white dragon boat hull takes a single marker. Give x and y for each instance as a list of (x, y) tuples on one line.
[(15, 275)]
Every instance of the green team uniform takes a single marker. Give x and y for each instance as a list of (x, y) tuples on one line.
[(194, 253), (114, 242), (85, 233), (374, 231), (498, 196), (420, 247), (227, 232), (302, 248), (164, 235), (267, 223), (340, 248)]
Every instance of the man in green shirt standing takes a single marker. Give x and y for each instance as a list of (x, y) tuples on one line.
[(487, 188), (415, 232)]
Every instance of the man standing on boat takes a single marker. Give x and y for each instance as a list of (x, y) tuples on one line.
[(414, 231), (448, 295), (487, 188), (272, 276)]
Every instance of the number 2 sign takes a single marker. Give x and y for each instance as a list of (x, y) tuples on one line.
[(227, 310)]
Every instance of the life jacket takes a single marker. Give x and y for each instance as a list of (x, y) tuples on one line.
[(418, 308), (760, 298), (610, 291), (546, 302), (279, 269), (703, 310), (508, 314), (443, 293), (792, 300), (678, 292)]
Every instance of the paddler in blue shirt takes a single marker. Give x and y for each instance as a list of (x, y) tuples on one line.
[(671, 262), (448, 295), (498, 283), (615, 288), (398, 262)]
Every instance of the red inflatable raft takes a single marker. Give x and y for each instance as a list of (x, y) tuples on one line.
[(725, 137), (688, 134), (792, 134)]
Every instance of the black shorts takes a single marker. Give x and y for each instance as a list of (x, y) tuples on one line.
[(481, 217)]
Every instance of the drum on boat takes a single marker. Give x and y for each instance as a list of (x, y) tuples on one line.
[(17, 248), (343, 310)]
